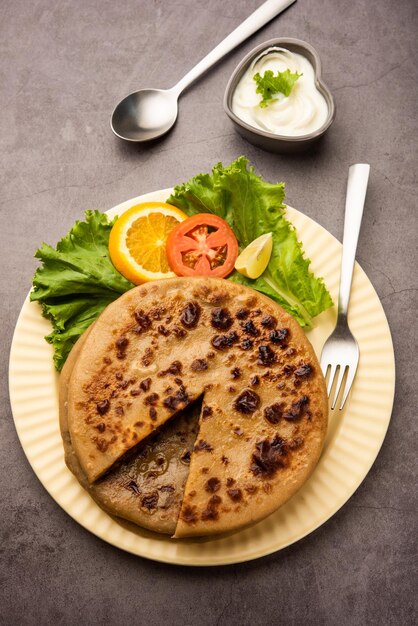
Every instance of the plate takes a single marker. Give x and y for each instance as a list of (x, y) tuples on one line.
[(354, 437)]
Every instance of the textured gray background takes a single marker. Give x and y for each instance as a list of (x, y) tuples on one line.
[(63, 66)]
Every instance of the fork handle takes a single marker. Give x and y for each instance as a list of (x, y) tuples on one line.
[(358, 176)]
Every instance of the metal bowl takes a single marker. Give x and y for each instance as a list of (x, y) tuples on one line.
[(271, 141)]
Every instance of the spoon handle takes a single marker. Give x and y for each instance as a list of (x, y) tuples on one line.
[(256, 20)]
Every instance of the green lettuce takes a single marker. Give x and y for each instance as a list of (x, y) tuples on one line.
[(269, 85), (252, 207), (76, 281)]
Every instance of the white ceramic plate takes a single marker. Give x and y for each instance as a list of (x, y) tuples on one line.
[(353, 442)]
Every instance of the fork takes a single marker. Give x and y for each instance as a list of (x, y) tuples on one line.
[(341, 352)]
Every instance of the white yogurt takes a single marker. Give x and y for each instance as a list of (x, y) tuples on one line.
[(302, 112)]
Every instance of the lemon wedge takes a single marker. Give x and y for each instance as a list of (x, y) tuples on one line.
[(254, 259)]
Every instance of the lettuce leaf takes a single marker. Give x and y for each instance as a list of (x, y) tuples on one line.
[(268, 84), (252, 207), (76, 281)]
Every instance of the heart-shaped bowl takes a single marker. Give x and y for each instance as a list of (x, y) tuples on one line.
[(271, 141)]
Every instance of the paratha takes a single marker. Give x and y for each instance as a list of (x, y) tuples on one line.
[(146, 485), (160, 347)]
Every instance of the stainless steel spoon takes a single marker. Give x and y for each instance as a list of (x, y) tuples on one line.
[(149, 113)]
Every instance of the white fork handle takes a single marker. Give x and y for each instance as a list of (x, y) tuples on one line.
[(256, 20), (358, 176)]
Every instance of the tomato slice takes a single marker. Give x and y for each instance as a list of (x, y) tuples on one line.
[(202, 245)]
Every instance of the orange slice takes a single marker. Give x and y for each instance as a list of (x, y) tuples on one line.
[(137, 242)]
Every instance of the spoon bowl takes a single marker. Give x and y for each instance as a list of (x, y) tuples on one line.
[(145, 114)]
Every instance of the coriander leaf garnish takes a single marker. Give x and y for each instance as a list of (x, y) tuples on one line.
[(269, 85)]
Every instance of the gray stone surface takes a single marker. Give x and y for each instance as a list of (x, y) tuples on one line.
[(63, 66)]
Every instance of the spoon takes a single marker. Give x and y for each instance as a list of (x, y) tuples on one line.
[(149, 113)]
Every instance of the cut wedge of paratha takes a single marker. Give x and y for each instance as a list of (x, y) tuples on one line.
[(161, 346), (146, 485)]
